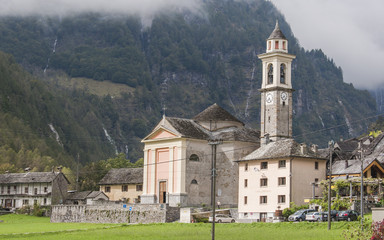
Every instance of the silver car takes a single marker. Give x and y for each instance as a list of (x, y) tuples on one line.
[(222, 218), (316, 216)]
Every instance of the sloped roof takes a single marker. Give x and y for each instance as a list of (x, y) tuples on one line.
[(28, 177), (215, 113), (280, 149), (123, 176), (188, 128), (94, 194), (354, 166), (277, 33), (78, 195), (238, 134)]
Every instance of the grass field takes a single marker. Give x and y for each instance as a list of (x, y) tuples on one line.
[(28, 227)]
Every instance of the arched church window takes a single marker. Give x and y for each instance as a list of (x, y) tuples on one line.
[(270, 74), (194, 158), (194, 181), (282, 73)]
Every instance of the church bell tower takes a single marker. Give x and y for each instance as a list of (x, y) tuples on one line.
[(276, 89)]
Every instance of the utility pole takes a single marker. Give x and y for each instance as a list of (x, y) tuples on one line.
[(77, 172), (330, 144), (362, 185), (213, 144)]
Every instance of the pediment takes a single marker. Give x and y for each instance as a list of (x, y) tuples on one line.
[(161, 133)]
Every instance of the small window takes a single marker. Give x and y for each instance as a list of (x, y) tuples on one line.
[(124, 188), (263, 182), (45, 189), (26, 190), (316, 180), (194, 158), (282, 73), (281, 199), (246, 167), (284, 45), (282, 181), (270, 74), (194, 181), (35, 191), (107, 189), (14, 188), (25, 202), (45, 201), (139, 188), (263, 200), (245, 183), (264, 165), (282, 164), (269, 45), (316, 165), (276, 44), (8, 189), (245, 200)]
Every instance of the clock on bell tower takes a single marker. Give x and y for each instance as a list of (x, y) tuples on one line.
[(276, 89)]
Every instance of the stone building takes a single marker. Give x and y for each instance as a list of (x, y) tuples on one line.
[(26, 189), (123, 184), (177, 158), (86, 197), (281, 170)]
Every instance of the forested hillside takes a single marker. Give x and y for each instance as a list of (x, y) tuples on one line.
[(183, 61)]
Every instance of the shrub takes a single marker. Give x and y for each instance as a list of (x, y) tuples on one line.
[(377, 229)]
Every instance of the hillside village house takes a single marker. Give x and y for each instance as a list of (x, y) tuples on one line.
[(281, 170), (177, 158), (123, 184), (347, 165), (26, 189)]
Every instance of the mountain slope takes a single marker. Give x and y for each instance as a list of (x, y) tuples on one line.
[(183, 61)]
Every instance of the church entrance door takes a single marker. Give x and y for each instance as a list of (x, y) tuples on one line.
[(163, 192)]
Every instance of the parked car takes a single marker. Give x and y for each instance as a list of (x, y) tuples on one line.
[(299, 215), (348, 215), (222, 218), (316, 216), (334, 215)]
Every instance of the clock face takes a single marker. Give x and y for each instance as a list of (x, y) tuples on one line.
[(269, 98), (284, 96)]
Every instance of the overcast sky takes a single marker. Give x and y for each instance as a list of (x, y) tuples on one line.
[(349, 31)]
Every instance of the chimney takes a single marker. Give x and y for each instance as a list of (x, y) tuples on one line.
[(314, 148), (346, 163), (59, 168), (303, 148)]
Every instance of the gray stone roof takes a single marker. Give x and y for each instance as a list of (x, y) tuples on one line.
[(94, 194), (78, 195), (28, 177), (215, 113), (277, 33), (188, 128), (123, 176), (237, 134), (281, 149)]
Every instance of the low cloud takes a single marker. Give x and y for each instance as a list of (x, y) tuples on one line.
[(349, 31), (144, 8)]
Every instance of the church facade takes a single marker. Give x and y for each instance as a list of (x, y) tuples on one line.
[(178, 158)]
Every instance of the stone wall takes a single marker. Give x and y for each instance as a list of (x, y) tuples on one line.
[(115, 213)]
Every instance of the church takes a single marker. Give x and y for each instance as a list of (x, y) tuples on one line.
[(178, 158)]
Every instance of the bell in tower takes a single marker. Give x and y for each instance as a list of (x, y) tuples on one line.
[(276, 89)]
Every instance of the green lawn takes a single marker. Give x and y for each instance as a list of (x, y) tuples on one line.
[(28, 227)]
